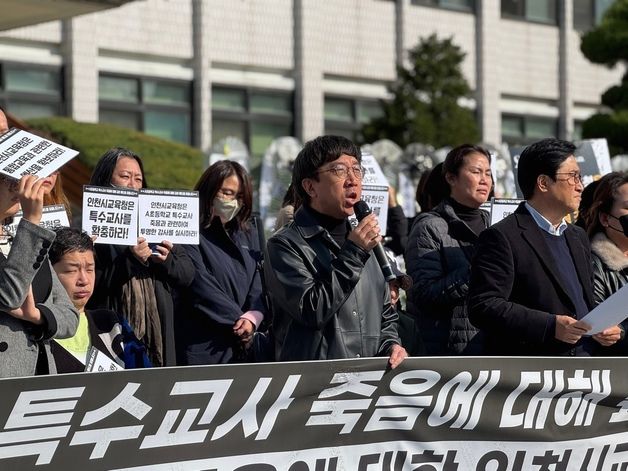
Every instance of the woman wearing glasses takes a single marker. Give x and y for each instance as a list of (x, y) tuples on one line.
[(329, 297), (438, 257), (223, 306)]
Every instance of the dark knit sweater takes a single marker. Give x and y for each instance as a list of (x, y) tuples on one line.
[(337, 228), (471, 216), (567, 270)]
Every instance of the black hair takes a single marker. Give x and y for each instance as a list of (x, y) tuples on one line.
[(291, 198), (432, 189), (455, 158), (315, 154), (541, 158), (69, 239), (606, 191), (210, 182), (586, 199), (101, 176)]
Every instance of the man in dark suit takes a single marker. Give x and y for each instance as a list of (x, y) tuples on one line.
[(531, 277)]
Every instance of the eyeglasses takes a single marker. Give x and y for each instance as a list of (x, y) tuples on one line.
[(229, 194), (341, 171), (574, 177)]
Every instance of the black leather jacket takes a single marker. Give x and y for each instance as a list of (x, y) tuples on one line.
[(328, 301)]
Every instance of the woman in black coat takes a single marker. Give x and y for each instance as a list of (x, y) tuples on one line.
[(132, 280), (223, 306), (438, 257), (607, 226)]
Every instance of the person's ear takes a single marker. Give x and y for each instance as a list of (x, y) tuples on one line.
[(450, 178), (308, 186), (542, 182), (603, 217)]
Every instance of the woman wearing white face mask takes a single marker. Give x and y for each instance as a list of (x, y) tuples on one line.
[(223, 306)]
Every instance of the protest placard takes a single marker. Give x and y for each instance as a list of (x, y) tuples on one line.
[(593, 159), (98, 362), (169, 215), (592, 156), (515, 154), (503, 207), (375, 190), (23, 153), (52, 217), (110, 214)]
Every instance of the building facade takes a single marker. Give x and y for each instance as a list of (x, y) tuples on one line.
[(198, 70)]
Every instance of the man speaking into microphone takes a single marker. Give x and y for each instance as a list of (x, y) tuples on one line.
[(329, 297)]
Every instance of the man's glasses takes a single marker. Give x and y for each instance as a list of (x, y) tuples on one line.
[(341, 171), (573, 177)]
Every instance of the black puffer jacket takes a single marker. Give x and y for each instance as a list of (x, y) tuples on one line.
[(438, 259)]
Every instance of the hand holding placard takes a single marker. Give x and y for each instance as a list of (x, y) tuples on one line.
[(121, 216), (23, 153)]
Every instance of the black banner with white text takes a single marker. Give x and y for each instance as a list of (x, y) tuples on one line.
[(429, 414)]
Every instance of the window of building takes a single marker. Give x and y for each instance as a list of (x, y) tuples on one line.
[(159, 107), (523, 130), (461, 5), (29, 91), (346, 116), (540, 11), (254, 116), (576, 135), (589, 13)]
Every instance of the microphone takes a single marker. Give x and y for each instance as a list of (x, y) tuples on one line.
[(362, 210)]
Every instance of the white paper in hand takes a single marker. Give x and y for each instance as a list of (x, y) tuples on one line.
[(610, 313)]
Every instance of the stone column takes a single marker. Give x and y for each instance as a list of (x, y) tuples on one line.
[(308, 74), (80, 57), (565, 48), (201, 64), (487, 84)]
